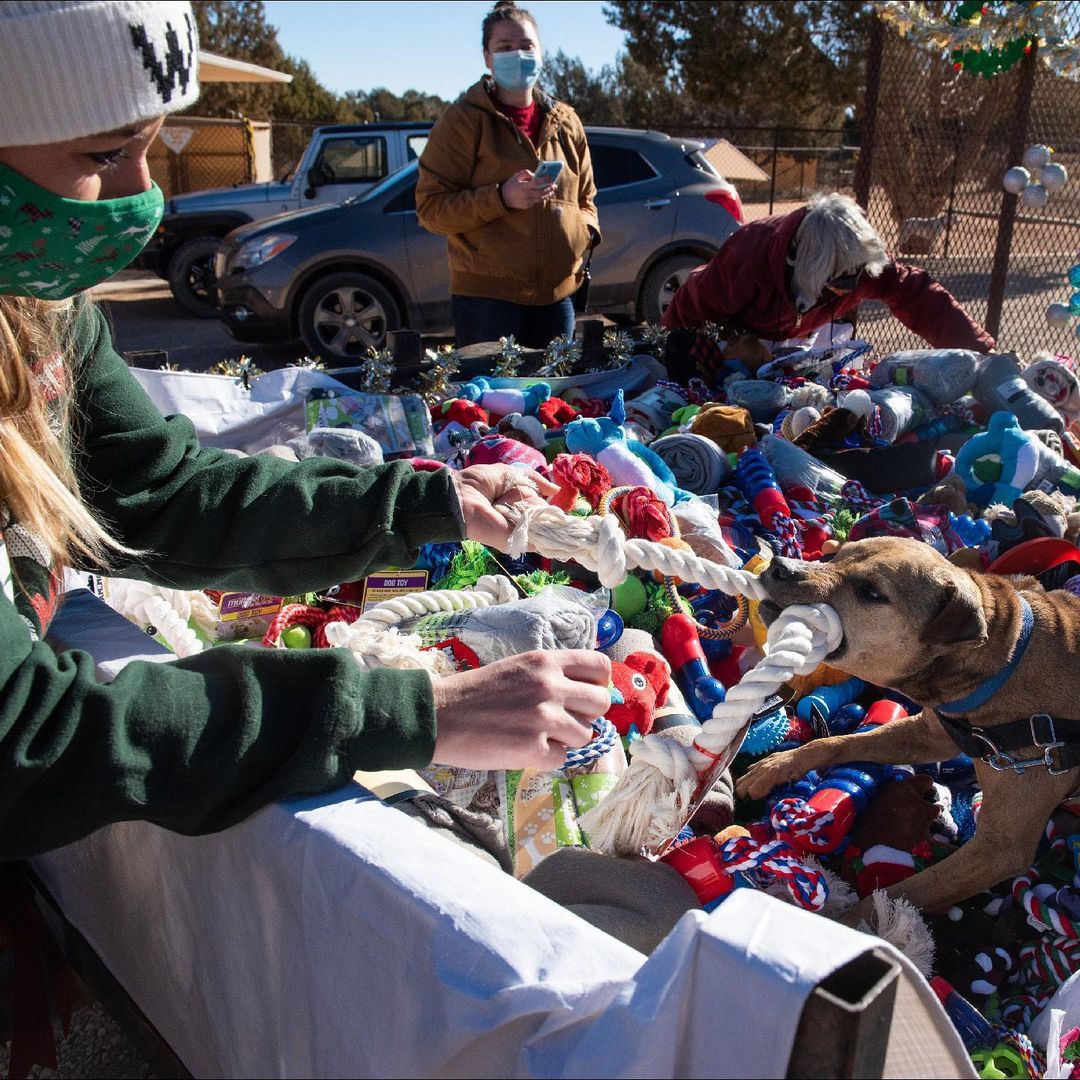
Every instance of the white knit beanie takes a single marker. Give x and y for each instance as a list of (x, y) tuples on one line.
[(70, 68)]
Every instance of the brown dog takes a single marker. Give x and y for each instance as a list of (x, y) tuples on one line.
[(914, 622)]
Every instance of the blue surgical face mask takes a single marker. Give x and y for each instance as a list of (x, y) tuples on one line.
[(515, 70)]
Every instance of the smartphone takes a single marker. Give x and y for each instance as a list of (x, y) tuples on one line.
[(547, 171)]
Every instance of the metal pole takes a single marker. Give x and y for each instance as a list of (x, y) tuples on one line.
[(772, 180), (864, 165), (995, 294)]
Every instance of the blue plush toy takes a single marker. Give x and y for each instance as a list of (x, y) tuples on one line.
[(1000, 464), (627, 461), (502, 401)]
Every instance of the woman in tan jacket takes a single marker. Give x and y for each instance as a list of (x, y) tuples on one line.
[(516, 241)]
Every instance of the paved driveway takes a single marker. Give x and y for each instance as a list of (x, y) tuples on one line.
[(145, 318)]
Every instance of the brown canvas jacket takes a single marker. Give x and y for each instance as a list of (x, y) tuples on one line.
[(529, 256)]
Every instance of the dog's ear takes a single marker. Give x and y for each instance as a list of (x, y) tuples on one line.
[(959, 619)]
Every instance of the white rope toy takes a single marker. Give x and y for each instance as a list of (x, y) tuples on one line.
[(374, 640), (166, 610), (648, 805)]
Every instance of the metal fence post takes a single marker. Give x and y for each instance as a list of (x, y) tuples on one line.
[(995, 295), (772, 178), (865, 162)]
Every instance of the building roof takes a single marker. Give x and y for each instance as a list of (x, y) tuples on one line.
[(214, 68), (731, 163)]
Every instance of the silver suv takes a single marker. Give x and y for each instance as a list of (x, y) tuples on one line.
[(340, 277)]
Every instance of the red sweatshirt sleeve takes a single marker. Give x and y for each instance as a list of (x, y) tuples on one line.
[(926, 308), (718, 290)]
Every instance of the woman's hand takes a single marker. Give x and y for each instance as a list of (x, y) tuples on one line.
[(520, 191), (521, 712), (482, 489)]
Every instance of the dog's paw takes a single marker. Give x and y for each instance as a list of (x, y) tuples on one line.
[(768, 773)]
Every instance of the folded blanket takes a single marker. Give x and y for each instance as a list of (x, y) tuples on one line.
[(698, 463)]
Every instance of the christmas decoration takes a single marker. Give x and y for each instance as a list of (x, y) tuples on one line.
[(509, 359), (988, 38), (376, 371), (560, 358), (433, 385), (620, 346), (241, 368)]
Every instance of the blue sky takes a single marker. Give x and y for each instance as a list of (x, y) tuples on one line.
[(432, 47)]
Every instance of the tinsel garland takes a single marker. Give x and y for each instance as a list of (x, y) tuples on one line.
[(560, 358), (992, 28), (433, 385), (377, 371), (241, 368), (620, 346), (509, 358)]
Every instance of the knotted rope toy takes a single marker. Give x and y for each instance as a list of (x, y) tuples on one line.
[(666, 781)]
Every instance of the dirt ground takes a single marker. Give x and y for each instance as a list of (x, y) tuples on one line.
[(94, 1047)]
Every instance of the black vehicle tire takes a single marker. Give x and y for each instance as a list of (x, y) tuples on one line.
[(191, 276), (331, 302), (662, 282)]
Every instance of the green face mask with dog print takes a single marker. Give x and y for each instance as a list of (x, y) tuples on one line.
[(52, 247)]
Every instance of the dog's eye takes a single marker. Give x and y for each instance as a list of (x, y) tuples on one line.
[(867, 592)]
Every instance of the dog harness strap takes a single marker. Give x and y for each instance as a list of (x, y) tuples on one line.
[(1056, 737), (989, 687)]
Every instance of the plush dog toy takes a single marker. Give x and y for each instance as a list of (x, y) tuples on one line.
[(640, 687), (999, 465), (501, 401), (629, 462)]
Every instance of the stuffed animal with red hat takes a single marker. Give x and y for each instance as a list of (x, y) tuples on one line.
[(640, 686)]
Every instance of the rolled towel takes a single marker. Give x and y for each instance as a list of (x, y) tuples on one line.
[(698, 463)]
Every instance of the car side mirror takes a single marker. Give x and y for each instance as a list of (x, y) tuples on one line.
[(317, 178)]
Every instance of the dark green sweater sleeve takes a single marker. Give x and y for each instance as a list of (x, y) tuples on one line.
[(194, 745), (198, 744), (206, 518)]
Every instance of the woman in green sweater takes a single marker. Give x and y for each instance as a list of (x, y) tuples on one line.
[(92, 475)]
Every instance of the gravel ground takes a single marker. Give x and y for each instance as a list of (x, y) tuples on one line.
[(94, 1047)]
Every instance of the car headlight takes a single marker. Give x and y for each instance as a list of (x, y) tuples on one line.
[(261, 250)]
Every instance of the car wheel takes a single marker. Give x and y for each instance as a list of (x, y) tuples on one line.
[(662, 282), (191, 276), (343, 315)]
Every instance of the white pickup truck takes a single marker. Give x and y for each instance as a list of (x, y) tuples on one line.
[(340, 161)]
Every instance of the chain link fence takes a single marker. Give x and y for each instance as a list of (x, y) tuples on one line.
[(288, 140), (195, 153), (936, 143), (791, 164)]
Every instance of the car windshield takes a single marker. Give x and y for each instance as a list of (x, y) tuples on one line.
[(402, 176)]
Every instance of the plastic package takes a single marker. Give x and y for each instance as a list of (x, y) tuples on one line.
[(793, 465), (1000, 387), (902, 408), (943, 375)]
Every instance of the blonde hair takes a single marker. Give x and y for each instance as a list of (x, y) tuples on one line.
[(37, 479), (834, 238)]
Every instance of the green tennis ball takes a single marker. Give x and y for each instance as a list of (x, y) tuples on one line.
[(296, 637), (629, 598)]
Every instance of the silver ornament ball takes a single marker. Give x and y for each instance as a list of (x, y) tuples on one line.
[(1037, 156), (1058, 316), (1034, 196), (1016, 179), (1053, 177)]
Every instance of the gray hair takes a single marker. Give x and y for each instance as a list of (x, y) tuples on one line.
[(834, 238)]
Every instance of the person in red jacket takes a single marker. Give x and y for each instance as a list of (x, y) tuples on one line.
[(785, 276)]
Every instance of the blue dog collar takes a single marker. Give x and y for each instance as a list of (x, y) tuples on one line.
[(989, 687)]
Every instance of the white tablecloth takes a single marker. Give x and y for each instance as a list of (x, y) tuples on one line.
[(335, 936)]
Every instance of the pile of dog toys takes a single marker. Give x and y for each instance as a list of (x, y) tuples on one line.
[(792, 450)]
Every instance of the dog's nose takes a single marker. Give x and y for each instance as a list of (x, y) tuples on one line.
[(782, 571)]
